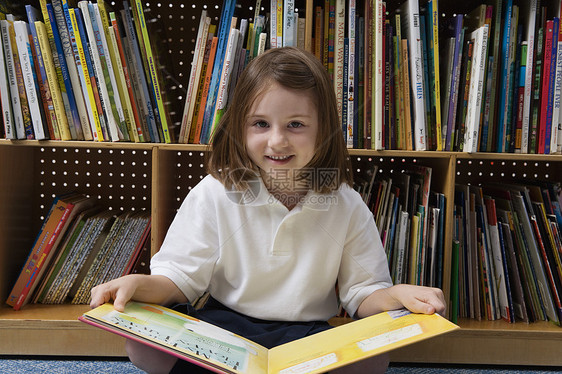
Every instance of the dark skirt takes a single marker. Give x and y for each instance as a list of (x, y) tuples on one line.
[(266, 333)]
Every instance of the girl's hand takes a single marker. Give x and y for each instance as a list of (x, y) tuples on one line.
[(417, 299), (120, 290), (420, 299), (156, 289)]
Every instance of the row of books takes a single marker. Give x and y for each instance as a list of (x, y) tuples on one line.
[(83, 73), (79, 246), (507, 252), (506, 59), (406, 78), (410, 219)]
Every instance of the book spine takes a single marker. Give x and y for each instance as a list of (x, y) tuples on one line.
[(194, 77), (455, 82), (87, 45), (416, 76), (95, 46), (139, 78), (377, 114), (476, 90), (222, 94), (525, 126), (66, 132), (543, 121), (536, 93), (339, 55), (223, 33), (20, 84), (289, 23), (556, 137), (52, 79), (6, 25), (351, 74), (206, 84), (550, 127), (81, 122), (521, 99), (153, 74), (24, 51), (66, 88), (42, 83), (504, 77), (112, 82), (86, 80), (122, 84), (7, 113), (128, 83), (434, 68)]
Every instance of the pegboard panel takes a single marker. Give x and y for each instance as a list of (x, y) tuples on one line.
[(480, 171), (119, 178), (393, 165), (189, 169)]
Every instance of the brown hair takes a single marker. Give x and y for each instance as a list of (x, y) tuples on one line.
[(293, 68)]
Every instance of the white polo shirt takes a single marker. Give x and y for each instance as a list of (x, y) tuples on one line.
[(256, 257)]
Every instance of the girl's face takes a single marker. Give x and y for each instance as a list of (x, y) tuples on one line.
[(281, 130)]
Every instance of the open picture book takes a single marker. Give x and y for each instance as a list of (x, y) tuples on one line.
[(224, 352)]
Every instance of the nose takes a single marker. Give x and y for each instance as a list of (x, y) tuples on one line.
[(277, 137)]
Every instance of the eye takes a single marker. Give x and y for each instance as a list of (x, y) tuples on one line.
[(295, 124), (261, 124)]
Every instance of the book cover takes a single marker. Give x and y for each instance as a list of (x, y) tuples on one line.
[(221, 351)]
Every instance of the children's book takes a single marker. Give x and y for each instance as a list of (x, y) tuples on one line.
[(221, 351)]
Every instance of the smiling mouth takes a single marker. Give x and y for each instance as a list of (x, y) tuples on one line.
[(279, 158)]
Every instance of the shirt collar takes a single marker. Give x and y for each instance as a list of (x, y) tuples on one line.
[(257, 194)]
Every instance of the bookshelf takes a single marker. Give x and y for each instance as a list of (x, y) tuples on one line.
[(156, 177)]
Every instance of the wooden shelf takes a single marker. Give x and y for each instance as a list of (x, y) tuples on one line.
[(54, 330)]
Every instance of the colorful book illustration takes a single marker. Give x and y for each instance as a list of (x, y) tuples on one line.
[(224, 352)]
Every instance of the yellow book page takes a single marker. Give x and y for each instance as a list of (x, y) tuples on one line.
[(183, 336), (355, 341)]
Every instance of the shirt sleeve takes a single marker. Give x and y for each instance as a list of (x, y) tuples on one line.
[(190, 250), (364, 267)]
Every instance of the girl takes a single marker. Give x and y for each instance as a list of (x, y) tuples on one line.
[(275, 225)]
